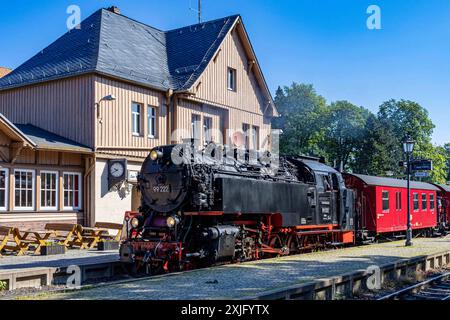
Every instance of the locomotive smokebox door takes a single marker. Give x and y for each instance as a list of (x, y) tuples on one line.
[(117, 171)]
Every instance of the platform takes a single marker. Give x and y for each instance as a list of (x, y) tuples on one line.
[(36, 271), (274, 277)]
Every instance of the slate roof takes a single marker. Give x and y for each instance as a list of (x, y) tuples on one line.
[(391, 182), (49, 141), (115, 45)]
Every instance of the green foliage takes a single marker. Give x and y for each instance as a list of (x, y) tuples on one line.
[(3, 285), (301, 110), (362, 141), (344, 130)]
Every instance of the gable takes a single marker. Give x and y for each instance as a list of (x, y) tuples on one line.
[(251, 94)]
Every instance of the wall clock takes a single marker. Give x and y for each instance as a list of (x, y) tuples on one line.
[(117, 171)]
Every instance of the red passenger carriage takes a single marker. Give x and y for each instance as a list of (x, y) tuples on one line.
[(381, 206)]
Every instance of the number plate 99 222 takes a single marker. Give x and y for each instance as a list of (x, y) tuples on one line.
[(161, 189)]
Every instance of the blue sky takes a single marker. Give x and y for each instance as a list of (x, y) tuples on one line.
[(323, 42)]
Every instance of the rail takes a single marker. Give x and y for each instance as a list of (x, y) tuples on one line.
[(411, 291)]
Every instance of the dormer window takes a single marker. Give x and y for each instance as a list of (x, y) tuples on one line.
[(231, 79)]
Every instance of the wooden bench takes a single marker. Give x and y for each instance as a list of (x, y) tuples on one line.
[(69, 235), (10, 240), (110, 226)]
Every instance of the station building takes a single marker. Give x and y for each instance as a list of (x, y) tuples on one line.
[(111, 89)]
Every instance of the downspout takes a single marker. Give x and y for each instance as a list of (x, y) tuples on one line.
[(87, 187), (170, 106)]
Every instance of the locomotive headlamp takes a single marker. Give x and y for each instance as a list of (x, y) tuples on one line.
[(135, 222), (155, 155), (172, 221)]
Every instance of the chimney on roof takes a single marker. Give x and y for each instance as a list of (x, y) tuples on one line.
[(114, 9)]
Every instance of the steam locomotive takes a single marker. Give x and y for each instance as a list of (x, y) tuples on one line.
[(220, 205)]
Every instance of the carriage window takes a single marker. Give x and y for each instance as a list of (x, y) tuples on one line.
[(432, 203), (416, 201), (385, 197), (398, 201), (424, 201)]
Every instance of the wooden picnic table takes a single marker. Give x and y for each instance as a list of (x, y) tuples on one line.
[(10, 240), (69, 235), (93, 235), (38, 238)]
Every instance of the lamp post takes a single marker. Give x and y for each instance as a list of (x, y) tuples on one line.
[(408, 147)]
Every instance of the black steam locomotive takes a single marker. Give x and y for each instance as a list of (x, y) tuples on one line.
[(221, 205)]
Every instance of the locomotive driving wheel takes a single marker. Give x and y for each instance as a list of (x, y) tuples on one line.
[(293, 243), (279, 246)]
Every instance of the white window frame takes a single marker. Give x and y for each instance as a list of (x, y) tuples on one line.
[(136, 119), (207, 129), (196, 130), (151, 121), (383, 199), (255, 137), (426, 202), (246, 128), (231, 79), (416, 194), (55, 208), (33, 190), (80, 195), (6, 170), (432, 200)]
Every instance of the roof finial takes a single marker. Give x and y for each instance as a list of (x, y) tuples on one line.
[(114, 9)]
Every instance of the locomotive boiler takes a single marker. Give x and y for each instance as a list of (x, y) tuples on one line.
[(200, 208)]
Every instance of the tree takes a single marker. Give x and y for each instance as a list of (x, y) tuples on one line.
[(380, 150), (344, 131), (447, 156), (301, 112), (408, 117), (438, 156)]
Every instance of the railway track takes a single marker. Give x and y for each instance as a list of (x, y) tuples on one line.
[(436, 288)]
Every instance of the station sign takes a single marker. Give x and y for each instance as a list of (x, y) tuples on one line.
[(422, 165), (421, 174)]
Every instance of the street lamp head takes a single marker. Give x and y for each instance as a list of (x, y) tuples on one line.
[(110, 97), (408, 144)]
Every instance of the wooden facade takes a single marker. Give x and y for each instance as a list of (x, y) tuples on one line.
[(64, 107)]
